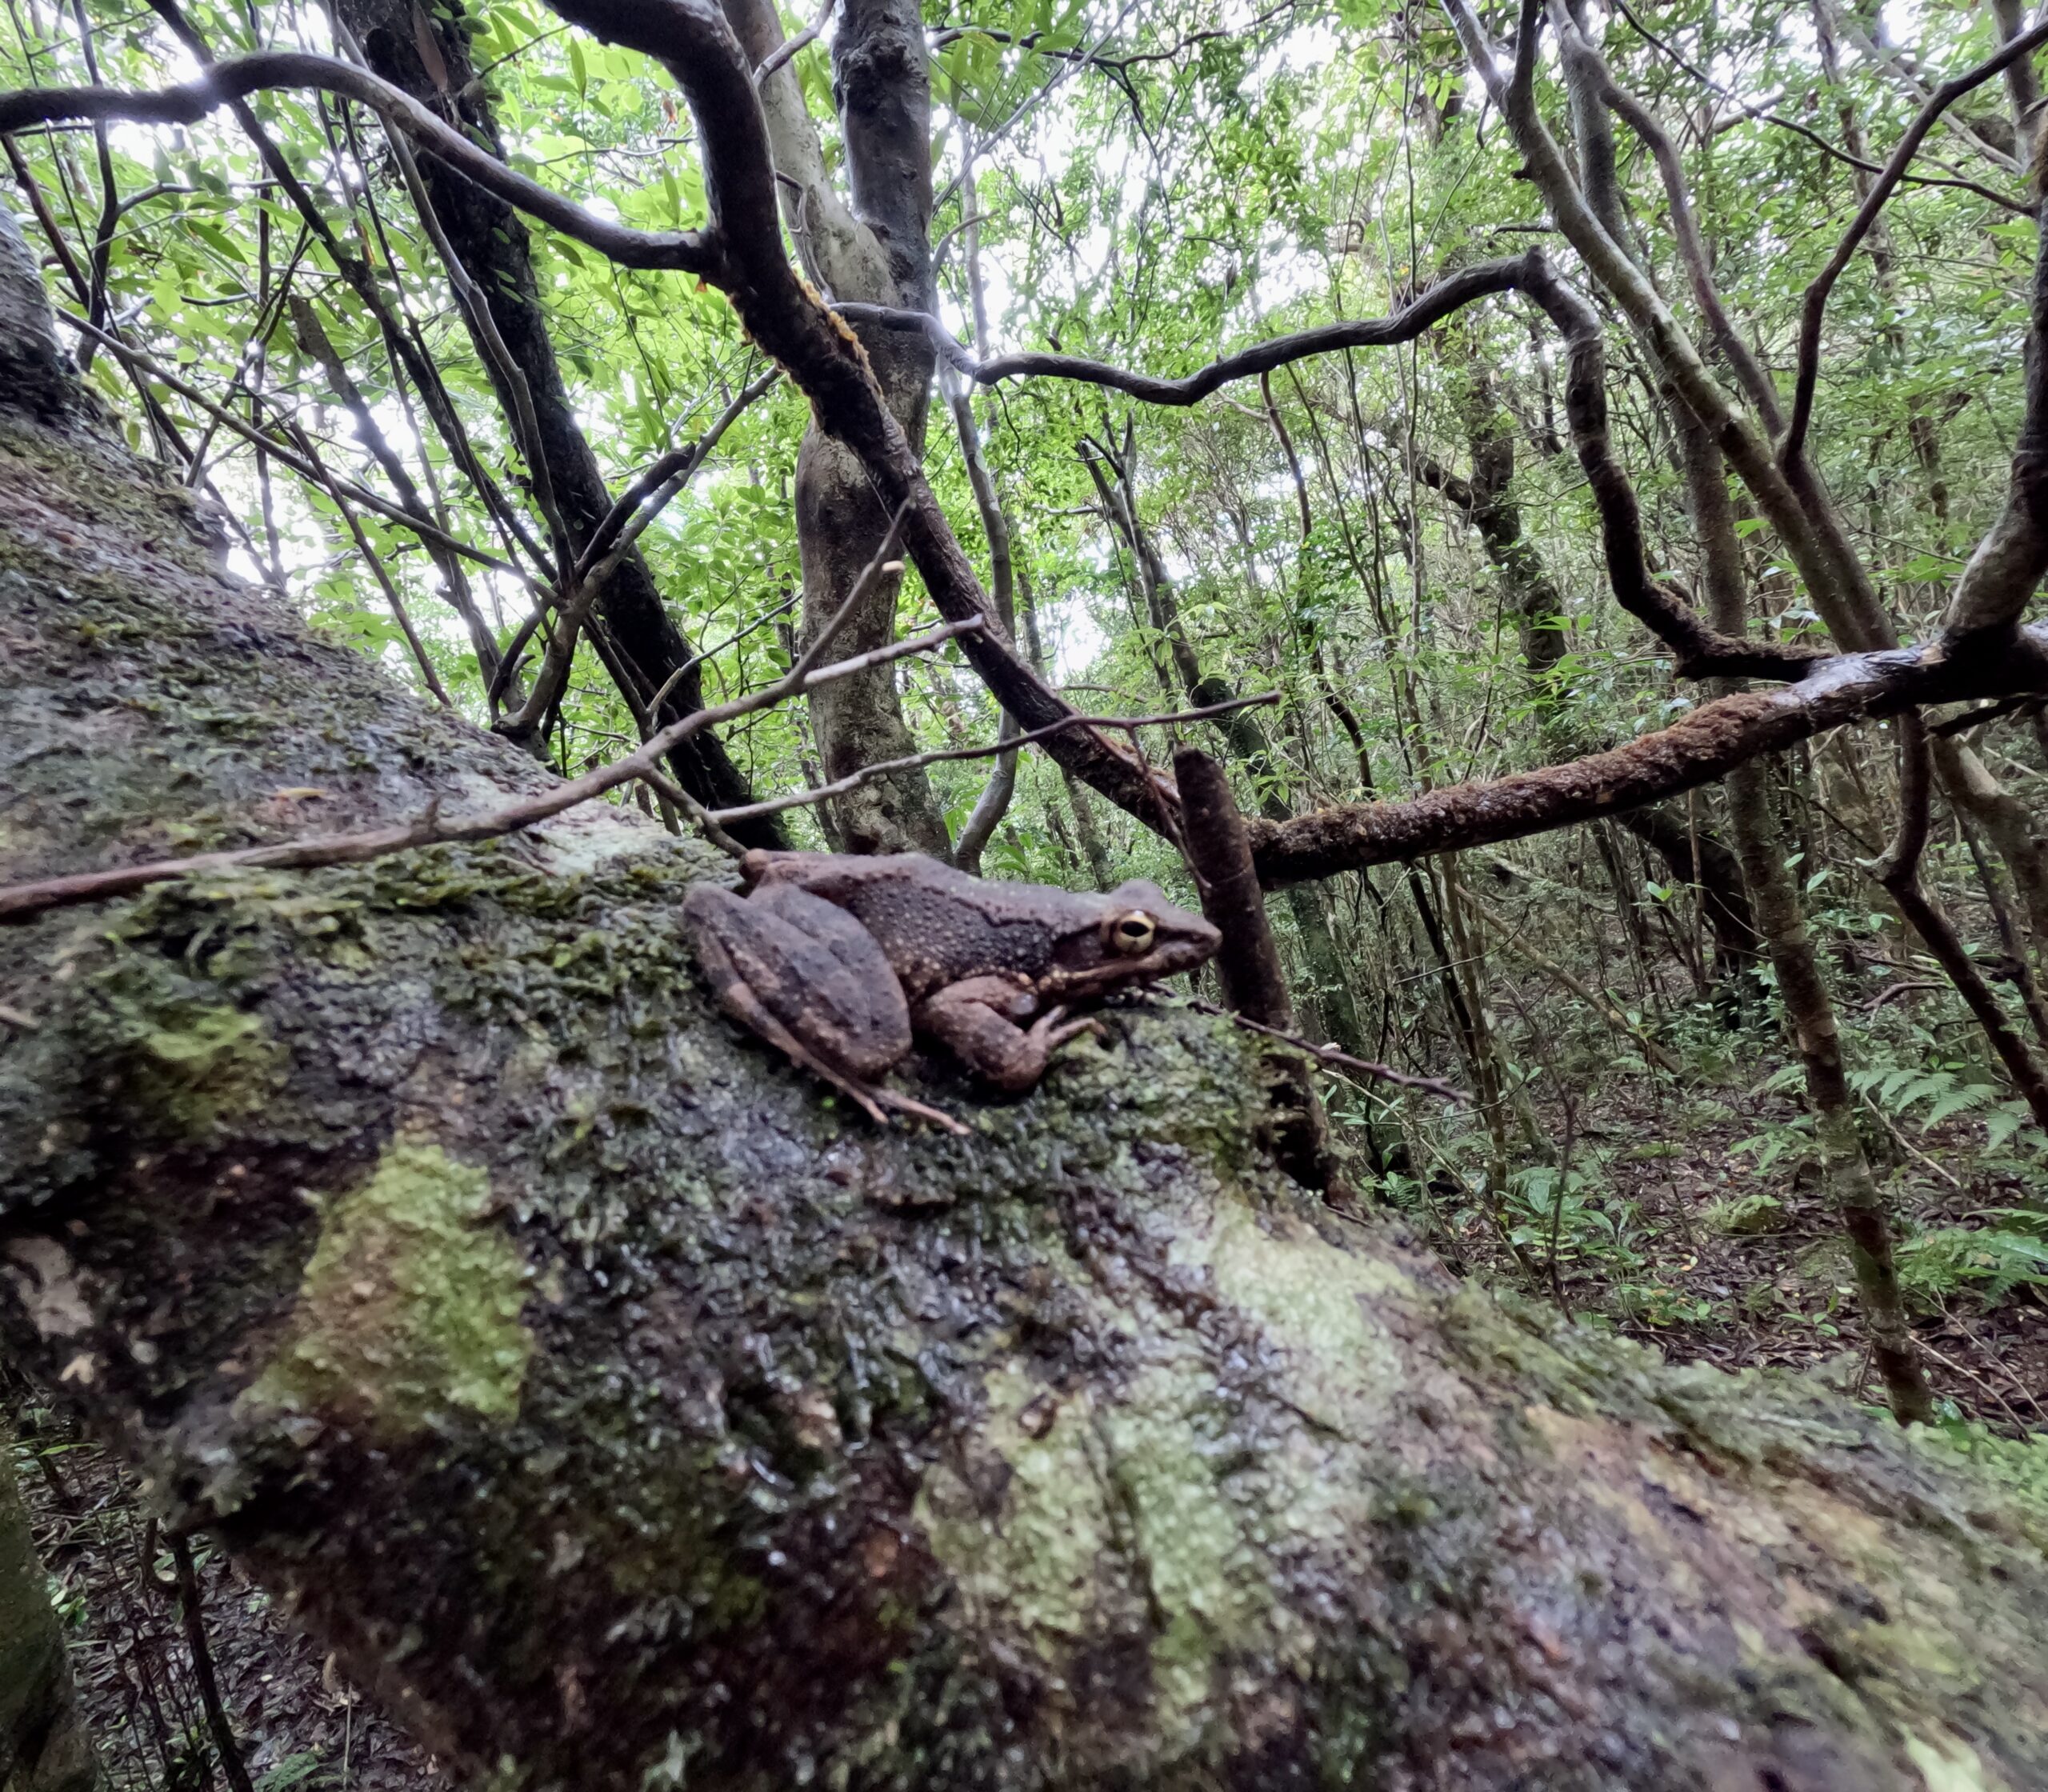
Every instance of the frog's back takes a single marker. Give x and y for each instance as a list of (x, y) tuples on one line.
[(938, 926)]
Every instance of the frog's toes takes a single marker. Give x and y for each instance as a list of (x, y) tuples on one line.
[(1052, 1029)]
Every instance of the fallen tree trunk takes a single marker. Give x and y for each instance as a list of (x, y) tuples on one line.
[(631, 1416)]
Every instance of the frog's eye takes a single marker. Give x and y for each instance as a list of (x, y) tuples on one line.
[(1131, 933)]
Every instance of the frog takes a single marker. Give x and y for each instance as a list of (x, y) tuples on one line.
[(841, 962)]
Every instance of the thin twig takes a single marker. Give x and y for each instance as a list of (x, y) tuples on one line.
[(289, 456), (703, 655), (1813, 137), (21, 901), (801, 41), (853, 781), (1814, 306), (1342, 1060)]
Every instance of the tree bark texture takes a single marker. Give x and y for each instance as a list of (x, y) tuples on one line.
[(1248, 965), (629, 1415), (492, 243), (44, 1744), (874, 245)]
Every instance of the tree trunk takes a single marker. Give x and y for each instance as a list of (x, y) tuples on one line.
[(631, 1417), (44, 1744), (879, 252), (1781, 918), (492, 242)]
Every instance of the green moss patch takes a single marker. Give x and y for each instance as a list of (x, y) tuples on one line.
[(408, 1315)]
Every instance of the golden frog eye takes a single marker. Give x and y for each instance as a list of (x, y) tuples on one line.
[(1132, 933)]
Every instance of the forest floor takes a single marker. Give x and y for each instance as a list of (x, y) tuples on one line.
[(1686, 1241), (299, 1726)]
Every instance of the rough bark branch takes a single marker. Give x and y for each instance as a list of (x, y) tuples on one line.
[(1700, 748)]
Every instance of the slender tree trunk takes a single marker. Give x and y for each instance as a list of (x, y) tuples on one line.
[(1808, 1008), (2007, 822), (44, 1744), (493, 244), (1248, 967), (874, 246), (1693, 853), (993, 803), (1089, 832)]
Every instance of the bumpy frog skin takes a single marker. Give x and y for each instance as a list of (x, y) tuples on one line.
[(839, 961)]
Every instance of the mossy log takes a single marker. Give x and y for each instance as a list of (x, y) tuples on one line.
[(629, 1414)]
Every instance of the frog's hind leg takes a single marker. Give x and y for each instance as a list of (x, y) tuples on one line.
[(744, 1006)]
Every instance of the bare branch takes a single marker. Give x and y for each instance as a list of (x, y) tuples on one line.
[(1771, 117), (1698, 749), (853, 781), (688, 251), (803, 40), (1814, 307), (1448, 295), (1337, 1060)]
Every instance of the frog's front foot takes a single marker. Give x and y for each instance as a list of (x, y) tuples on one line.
[(977, 1019), (1054, 1029)]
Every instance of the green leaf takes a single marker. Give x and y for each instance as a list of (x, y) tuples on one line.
[(216, 239)]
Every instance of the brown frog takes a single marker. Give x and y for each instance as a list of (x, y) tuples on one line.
[(838, 960)]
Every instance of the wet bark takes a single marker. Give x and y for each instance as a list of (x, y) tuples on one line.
[(1248, 967), (492, 243), (629, 1416)]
